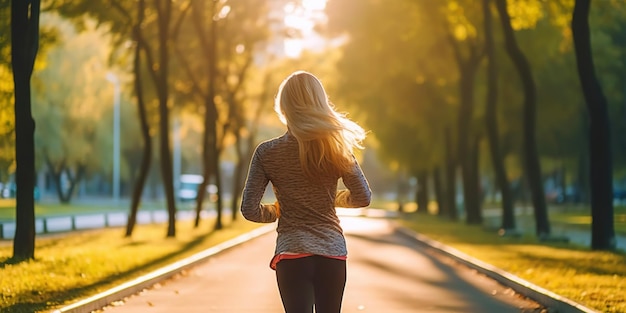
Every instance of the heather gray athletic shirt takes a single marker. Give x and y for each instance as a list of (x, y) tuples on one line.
[(308, 222)]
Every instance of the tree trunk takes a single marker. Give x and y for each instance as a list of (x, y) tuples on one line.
[(421, 195), (243, 159), (219, 205), (582, 181), (146, 158), (237, 120), (56, 175), (467, 66), (464, 142), (439, 192), (210, 150), (474, 215), (237, 176), (24, 47), (531, 158), (163, 15), (508, 213), (450, 178), (213, 144), (65, 196), (206, 174), (73, 179), (602, 227), (402, 192)]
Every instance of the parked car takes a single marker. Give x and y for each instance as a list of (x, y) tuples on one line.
[(188, 189)]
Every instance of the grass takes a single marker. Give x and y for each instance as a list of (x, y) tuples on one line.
[(595, 279), (7, 208), (580, 216), (84, 263)]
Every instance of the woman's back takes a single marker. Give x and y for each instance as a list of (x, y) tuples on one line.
[(308, 221), (304, 166)]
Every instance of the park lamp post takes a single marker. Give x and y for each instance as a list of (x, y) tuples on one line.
[(116, 134)]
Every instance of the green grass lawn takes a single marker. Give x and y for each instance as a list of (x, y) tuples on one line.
[(580, 216), (80, 264), (596, 279), (7, 208)]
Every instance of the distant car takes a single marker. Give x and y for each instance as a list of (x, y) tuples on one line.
[(7, 190), (188, 189), (619, 194)]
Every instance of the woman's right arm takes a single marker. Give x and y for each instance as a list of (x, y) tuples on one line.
[(251, 206)]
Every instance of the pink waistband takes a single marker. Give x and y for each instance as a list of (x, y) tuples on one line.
[(288, 256)]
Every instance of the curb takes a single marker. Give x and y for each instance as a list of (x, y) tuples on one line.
[(134, 286), (545, 297)]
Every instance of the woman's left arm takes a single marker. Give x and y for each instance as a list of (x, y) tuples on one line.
[(251, 206), (358, 194)]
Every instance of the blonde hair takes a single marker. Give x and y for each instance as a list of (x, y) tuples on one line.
[(326, 138)]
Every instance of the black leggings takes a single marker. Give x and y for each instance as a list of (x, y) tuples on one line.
[(309, 281)]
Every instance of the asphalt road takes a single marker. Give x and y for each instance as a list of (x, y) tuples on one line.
[(387, 273)]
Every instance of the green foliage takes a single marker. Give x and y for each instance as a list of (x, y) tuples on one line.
[(7, 124), (396, 73), (7, 117), (407, 89), (404, 89), (609, 43), (73, 101)]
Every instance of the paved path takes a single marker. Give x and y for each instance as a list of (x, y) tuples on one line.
[(387, 273)]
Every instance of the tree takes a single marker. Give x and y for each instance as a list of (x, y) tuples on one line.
[(228, 44), (159, 69), (245, 132), (149, 35), (468, 55), (404, 94), (24, 47), (70, 137), (143, 119), (493, 132), (208, 43), (161, 75), (602, 228), (531, 159)]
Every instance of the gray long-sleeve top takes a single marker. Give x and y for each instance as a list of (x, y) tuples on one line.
[(308, 221)]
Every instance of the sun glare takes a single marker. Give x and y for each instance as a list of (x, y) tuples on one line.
[(302, 18), (293, 47), (314, 5)]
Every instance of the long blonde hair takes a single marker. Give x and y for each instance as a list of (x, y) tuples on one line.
[(326, 138)]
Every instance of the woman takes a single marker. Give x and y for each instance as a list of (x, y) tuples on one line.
[(304, 166)]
